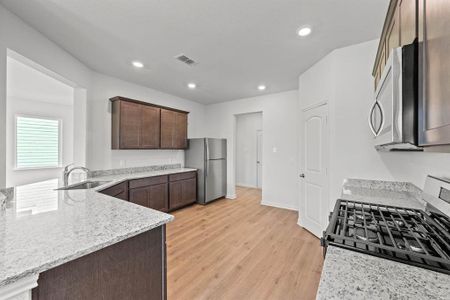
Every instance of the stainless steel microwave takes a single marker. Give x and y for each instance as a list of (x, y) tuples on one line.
[(393, 117)]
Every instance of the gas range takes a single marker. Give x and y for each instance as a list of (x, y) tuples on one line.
[(412, 236)]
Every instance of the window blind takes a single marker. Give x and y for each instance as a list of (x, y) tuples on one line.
[(37, 142)]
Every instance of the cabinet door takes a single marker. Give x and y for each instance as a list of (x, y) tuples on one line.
[(168, 118), (153, 196), (173, 129), (150, 127), (180, 134), (434, 72), (393, 35), (182, 193), (158, 197), (382, 59), (119, 191), (130, 125), (190, 191), (407, 10), (139, 196)]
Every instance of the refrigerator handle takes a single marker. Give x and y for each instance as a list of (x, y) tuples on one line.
[(207, 148), (207, 156)]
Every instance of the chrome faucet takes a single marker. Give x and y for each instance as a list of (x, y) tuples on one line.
[(68, 171)]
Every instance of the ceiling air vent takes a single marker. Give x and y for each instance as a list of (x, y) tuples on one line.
[(185, 59)]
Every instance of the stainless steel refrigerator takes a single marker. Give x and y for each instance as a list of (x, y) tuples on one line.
[(209, 156)]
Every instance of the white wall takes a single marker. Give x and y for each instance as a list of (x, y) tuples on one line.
[(34, 108), (33, 93), (21, 38), (280, 170), (99, 153), (247, 125), (352, 152), (348, 89), (94, 149)]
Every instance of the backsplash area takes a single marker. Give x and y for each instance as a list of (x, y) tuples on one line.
[(98, 173), (120, 159)]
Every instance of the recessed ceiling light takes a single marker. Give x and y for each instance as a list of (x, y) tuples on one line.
[(304, 31), (138, 64), (261, 87), (192, 85)]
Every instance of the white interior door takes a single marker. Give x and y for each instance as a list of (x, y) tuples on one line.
[(259, 161), (313, 212)]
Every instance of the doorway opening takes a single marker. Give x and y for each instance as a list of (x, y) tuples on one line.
[(249, 150)]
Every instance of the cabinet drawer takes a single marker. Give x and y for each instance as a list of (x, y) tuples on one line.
[(119, 191), (182, 176), (137, 183)]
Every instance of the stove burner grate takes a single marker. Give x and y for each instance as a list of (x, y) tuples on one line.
[(406, 235)]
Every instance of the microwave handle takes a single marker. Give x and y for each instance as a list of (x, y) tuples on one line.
[(371, 126), (382, 118)]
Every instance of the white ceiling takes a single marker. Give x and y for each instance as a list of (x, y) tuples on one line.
[(238, 43), (25, 82)]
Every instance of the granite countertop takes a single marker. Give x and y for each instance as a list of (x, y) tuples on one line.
[(2, 200), (41, 227), (349, 274), (401, 194), (113, 179)]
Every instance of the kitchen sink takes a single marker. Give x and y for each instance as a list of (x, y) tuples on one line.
[(84, 185)]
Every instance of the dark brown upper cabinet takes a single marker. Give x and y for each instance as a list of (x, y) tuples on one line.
[(400, 29), (142, 125), (173, 129), (434, 72)]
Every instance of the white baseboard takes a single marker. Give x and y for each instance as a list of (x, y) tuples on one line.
[(278, 205), (247, 185), (231, 196)]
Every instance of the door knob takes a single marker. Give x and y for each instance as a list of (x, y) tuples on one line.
[(302, 175)]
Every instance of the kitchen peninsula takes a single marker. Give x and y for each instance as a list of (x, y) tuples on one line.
[(60, 242)]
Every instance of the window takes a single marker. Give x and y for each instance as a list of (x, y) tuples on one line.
[(37, 143)]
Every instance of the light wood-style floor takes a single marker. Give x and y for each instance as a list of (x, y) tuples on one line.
[(239, 249)]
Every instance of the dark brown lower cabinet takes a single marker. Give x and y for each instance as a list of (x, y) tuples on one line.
[(118, 191), (182, 193), (163, 193), (132, 269), (153, 196)]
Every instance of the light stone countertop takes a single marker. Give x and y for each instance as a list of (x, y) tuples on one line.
[(114, 179), (349, 274), (41, 228), (352, 275), (401, 194), (2, 200)]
